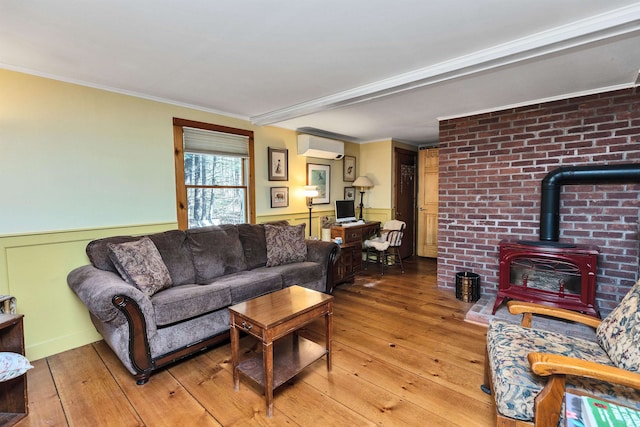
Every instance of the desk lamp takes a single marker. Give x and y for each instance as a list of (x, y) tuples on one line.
[(310, 191), (363, 183)]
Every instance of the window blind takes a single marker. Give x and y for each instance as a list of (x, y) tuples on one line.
[(211, 142)]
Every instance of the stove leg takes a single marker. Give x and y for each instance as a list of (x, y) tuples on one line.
[(499, 301)]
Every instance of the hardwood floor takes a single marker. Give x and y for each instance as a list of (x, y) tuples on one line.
[(402, 355)]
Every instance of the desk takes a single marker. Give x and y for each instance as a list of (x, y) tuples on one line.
[(349, 263)]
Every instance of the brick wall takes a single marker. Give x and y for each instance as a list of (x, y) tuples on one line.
[(491, 168)]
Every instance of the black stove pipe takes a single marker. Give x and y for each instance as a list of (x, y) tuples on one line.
[(552, 183)]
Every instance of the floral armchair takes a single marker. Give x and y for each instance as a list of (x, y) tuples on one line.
[(527, 370)]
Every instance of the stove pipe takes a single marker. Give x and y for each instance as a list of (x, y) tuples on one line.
[(552, 183)]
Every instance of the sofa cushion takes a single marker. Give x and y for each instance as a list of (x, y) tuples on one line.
[(184, 302), (176, 254), (253, 244), (285, 244), (515, 385), (216, 251), (618, 332), (98, 252), (140, 264), (250, 284), (299, 273)]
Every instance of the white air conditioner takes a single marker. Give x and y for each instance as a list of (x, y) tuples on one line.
[(323, 148)]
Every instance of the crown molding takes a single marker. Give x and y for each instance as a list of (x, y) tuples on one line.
[(539, 101), (121, 91), (587, 31)]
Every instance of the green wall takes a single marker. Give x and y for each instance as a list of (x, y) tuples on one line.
[(80, 163)]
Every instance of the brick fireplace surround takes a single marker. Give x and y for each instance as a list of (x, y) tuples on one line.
[(491, 168)]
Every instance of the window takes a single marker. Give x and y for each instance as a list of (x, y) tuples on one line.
[(214, 174)]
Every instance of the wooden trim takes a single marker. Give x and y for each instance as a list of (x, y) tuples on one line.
[(548, 403), (181, 190), (139, 352), (212, 127), (251, 203), (181, 353)]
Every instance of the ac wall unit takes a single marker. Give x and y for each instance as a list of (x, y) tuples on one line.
[(317, 146)]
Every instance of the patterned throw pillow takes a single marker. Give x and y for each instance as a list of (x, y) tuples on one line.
[(285, 244), (140, 264), (12, 365), (619, 332)]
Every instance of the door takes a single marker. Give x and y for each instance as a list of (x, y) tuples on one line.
[(405, 197), (428, 203)]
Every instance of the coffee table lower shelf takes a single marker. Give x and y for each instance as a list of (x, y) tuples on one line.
[(289, 359)]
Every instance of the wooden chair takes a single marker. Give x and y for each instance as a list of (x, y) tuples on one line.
[(386, 246), (527, 370)]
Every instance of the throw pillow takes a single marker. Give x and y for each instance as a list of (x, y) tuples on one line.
[(12, 365), (618, 332), (140, 264), (285, 244)]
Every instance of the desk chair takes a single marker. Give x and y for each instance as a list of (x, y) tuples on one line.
[(386, 245)]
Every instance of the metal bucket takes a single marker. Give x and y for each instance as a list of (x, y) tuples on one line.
[(467, 286)]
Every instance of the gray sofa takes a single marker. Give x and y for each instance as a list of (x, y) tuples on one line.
[(207, 270)]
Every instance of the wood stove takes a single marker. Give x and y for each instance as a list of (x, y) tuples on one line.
[(549, 273)]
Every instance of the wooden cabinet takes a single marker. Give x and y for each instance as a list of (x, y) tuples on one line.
[(13, 393), (349, 263)]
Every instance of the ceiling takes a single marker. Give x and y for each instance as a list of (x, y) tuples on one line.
[(364, 69)]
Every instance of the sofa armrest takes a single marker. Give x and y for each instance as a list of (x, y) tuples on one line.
[(319, 251), (97, 289), (325, 254), (528, 308)]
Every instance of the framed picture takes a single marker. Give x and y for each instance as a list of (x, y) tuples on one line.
[(320, 176), (278, 164), (279, 197), (349, 193), (349, 168)]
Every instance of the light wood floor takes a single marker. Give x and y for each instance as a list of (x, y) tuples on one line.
[(402, 355)]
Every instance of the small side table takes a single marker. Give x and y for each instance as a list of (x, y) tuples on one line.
[(274, 320), (13, 393)]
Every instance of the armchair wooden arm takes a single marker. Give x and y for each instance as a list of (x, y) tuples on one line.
[(545, 364), (527, 309), (548, 403)]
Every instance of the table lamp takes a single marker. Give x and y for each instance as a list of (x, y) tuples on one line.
[(363, 183), (310, 191)]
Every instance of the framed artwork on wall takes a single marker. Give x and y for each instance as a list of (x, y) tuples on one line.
[(349, 169), (278, 164), (349, 193), (320, 176), (279, 197)]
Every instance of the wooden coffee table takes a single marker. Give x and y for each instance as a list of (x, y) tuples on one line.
[(277, 316)]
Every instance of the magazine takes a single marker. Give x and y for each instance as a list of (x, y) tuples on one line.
[(586, 411), (599, 413)]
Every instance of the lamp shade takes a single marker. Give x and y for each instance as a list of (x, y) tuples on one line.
[(363, 182), (310, 191)]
